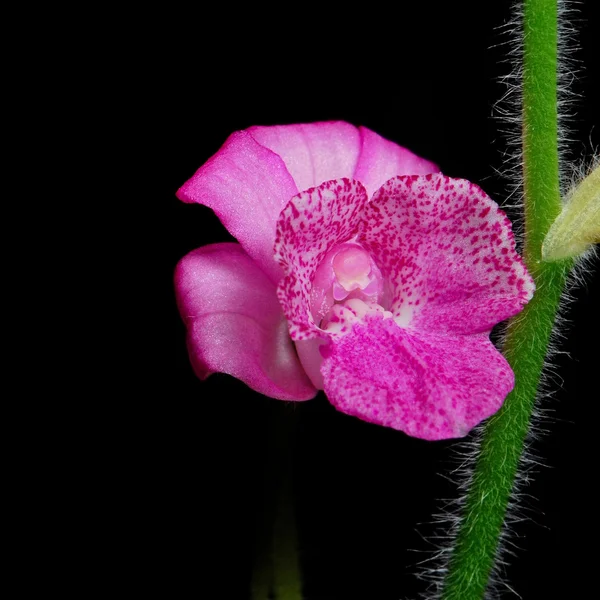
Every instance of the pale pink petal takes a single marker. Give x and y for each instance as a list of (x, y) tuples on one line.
[(309, 226), (247, 186), (430, 386), (313, 152), (381, 160), (447, 252), (235, 323)]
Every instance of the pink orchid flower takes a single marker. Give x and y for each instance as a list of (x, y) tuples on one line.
[(360, 270)]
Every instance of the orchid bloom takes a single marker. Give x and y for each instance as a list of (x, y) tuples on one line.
[(360, 270)]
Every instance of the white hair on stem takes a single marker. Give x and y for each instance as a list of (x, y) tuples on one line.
[(447, 521)]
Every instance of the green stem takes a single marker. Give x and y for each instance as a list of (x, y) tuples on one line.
[(276, 574), (287, 583), (528, 334)]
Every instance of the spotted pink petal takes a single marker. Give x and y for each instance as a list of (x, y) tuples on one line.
[(309, 226), (428, 385), (447, 252), (235, 323), (313, 152), (381, 160), (247, 186)]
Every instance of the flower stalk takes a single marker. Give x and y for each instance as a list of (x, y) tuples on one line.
[(528, 334), (276, 573)]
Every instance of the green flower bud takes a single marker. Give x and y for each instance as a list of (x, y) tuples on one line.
[(578, 225)]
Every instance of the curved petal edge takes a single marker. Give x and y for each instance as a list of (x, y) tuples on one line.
[(247, 185), (235, 323)]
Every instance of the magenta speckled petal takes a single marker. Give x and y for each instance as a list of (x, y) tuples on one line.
[(313, 152), (448, 254), (247, 186), (235, 323), (381, 160), (387, 274), (430, 386), (309, 226)]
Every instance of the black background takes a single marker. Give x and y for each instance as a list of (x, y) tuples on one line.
[(427, 79)]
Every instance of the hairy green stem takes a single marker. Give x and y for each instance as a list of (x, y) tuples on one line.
[(529, 333)]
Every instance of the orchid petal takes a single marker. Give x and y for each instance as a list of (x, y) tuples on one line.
[(235, 323), (381, 160), (447, 252), (430, 386), (313, 152), (247, 186), (309, 226)]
